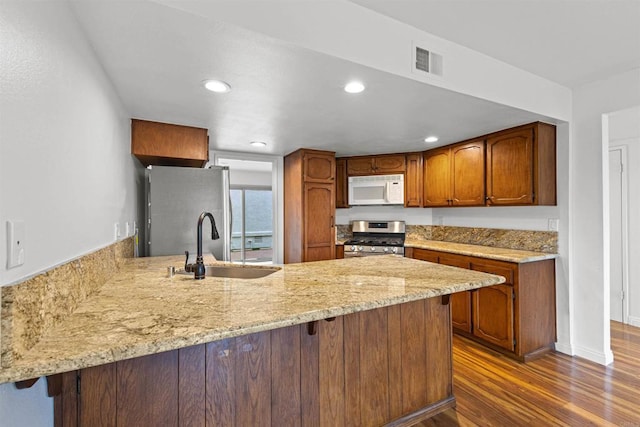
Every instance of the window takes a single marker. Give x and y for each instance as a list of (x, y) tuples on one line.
[(252, 220)]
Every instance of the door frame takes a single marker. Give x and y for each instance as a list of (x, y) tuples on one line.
[(277, 188), (624, 191)]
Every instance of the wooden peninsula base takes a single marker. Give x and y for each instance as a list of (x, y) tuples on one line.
[(386, 366)]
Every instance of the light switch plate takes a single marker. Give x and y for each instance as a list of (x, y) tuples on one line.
[(16, 243), (554, 224)]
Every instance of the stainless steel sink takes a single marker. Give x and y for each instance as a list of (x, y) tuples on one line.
[(235, 272)]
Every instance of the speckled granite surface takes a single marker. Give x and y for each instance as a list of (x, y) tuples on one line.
[(500, 254), (526, 240), (140, 311), (343, 233), (31, 308)]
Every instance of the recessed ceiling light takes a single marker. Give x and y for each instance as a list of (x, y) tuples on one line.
[(258, 144), (217, 86), (431, 139), (354, 87)]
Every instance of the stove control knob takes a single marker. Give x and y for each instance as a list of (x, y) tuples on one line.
[(395, 250), (354, 249), (386, 249), (360, 248), (373, 249)]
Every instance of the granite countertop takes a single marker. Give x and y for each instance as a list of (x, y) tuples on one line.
[(141, 311), (500, 254)]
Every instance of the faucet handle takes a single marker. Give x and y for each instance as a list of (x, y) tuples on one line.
[(186, 261)]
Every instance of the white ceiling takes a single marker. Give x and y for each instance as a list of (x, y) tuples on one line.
[(288, 96), (571, 42)]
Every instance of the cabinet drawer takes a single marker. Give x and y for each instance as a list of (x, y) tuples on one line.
[(506, 271)]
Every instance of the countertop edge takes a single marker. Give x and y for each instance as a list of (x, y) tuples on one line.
[(515, 255), (47, 367)]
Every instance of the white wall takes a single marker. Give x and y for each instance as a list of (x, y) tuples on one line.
[(65, 167), (589, 281), (624, 130), (413, 216)]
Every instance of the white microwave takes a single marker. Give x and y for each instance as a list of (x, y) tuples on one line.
[(376, 190)]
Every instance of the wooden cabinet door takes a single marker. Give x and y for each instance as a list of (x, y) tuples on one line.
[(493, 307), (339, 251), (342, 184), (467, 174), (510, 168), (460, 301), (360, 166), (166, 144), (493, 315), (437, 178), (413, 181), (389, 164), (319, 167), (319, 222)]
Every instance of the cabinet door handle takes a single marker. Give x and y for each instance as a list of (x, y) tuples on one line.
[(331, 222), (312, 327)]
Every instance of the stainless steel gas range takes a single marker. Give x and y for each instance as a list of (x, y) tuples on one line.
[(375, 238)]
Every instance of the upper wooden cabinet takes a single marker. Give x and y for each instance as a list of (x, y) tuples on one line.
[(319, 166), (413, 181), (342, 184), (166, 144), (521, 166), (454, 175), (309, 206), (376, 165)]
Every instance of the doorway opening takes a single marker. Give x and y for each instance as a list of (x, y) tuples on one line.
[(255, 193), (621, 140)]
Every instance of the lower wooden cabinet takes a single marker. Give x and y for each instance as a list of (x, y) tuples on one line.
[(492, 309), (386, 365), (517, 317), (339, 251)]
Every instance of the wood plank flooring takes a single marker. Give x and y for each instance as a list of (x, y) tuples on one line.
[(556, 390)]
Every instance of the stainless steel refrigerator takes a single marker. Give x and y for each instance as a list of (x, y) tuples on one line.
[(175, 198)]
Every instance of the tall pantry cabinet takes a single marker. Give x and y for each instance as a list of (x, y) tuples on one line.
[(309, 206)]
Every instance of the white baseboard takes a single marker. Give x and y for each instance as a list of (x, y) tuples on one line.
[(634, 321), (565, 347), (602, 358)]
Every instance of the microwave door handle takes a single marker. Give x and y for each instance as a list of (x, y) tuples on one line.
[(387, 190)]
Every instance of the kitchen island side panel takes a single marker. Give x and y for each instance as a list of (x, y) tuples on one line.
[(305, 374)]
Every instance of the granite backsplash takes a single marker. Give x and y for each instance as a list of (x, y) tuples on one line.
[(527, 240), (30, 308)]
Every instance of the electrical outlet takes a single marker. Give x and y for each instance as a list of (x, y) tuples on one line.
[(127, 230), (116, 230), (16, 243), (554, 224)]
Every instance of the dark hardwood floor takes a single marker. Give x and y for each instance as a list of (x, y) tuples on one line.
[(555, 390)]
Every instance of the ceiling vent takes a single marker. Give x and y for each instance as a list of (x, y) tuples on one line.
[(426, 61)]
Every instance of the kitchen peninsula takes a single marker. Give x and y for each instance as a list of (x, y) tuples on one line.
[(364, 341)]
